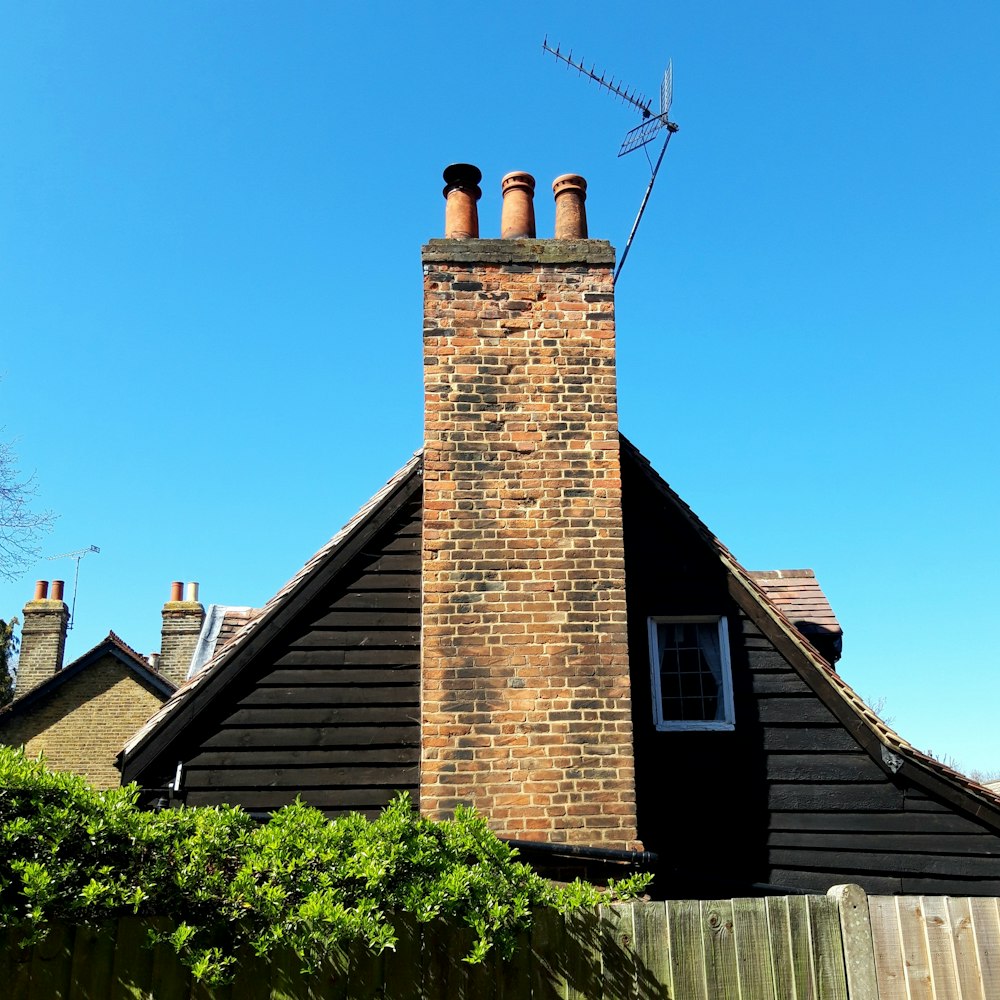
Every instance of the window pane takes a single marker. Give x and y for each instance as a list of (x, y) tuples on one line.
[(690, 669)]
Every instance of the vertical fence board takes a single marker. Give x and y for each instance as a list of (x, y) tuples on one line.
[(888, 948), (986, 922), (652, 950), (827, 947), (51, 964), (912, 935), (548, 936), (514, 975), (133, 961), (93, 962), (800, 937), (753, 954), (970, 980), (719, 949), (687, 950), (399, 965), (365, 973), (618, 955), (941, 948), (779, 943), (169, 978), (582, 968)]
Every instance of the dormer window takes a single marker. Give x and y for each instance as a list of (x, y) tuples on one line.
[(692, 679)]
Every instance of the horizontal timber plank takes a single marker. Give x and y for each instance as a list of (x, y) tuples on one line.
[(407, 598), (918, 886), (321, 676), (779, 682), (795, 711), (367, 715), (373, 618), (330, 638), (402, 542), (824, 738), (386, 581), (887, 863), (349, 657), (832, 797), (255, 800), (292, 737), (302, 777), (822, 767), (896, 841), (386, 562), (821, 880), (325, 756), (337, 694), (890, 822)]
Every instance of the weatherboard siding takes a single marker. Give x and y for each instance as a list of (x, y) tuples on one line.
[(330, 710), (789, 797)]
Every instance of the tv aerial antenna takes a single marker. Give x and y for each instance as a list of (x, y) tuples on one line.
[(644, 133), (76, 554)]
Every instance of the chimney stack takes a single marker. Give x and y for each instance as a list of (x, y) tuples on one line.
[(43, 636), (526, 699), (183, 616)]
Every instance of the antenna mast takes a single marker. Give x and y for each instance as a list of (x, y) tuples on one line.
[(76, 554), (642, 134)]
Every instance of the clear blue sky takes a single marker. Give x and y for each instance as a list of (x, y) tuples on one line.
[(210, 289)]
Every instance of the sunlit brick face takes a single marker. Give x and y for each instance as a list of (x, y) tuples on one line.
[(525, 684)]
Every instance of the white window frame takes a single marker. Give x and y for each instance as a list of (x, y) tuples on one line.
[(729, 720)]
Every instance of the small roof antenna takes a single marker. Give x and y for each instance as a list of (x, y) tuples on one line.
[(76, 554), (643, 133)]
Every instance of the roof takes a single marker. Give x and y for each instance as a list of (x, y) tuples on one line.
[(759, 596), (883, 743), (797, 594), (112, 645), (299, 590)]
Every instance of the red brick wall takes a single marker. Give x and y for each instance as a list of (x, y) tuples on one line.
[(526, 701)]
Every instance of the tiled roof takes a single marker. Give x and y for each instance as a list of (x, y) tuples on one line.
[(233, 623), (797, 593)]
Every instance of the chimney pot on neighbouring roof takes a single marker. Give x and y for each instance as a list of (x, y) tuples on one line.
[(517, 218), (154, 660), (461, 191), (176, 591), (192, 592), (570, 192), (57, 589), (42, 590)]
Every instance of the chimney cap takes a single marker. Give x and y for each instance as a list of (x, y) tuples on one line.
[(461, 175)]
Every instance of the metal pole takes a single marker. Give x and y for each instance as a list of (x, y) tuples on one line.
[(642, 207)]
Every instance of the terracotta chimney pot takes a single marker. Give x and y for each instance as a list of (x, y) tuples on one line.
[(570, 191), (57, 589), (517, 221), (42, 590), (176, 591), (461, 192)]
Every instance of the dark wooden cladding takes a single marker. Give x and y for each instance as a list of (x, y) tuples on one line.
[(330, 710), (790, 797)]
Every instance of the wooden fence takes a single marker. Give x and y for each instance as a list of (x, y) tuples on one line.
[(843, 946)]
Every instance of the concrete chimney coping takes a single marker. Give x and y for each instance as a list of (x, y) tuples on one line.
[(555, 252)]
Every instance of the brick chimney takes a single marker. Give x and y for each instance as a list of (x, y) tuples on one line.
[(182, 620), (43, 636), (525, 680)]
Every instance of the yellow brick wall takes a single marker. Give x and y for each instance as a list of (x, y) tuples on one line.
[(83, 724)]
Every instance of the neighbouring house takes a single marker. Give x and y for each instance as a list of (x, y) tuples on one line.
[(528, 619), (77, 716)]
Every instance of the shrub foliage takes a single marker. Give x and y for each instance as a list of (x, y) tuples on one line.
[(70, 853)]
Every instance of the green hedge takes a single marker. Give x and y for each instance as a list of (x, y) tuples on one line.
[(74, 854)]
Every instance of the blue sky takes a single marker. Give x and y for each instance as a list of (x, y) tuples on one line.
[(210, 298)]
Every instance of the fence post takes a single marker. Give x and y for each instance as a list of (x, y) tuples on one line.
[(859, 950)]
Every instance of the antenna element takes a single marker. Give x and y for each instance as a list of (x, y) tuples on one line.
[(76, 554)]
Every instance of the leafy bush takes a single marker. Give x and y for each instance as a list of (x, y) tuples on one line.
[(70, 853)]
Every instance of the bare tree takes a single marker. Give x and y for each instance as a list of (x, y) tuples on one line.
[(8, 648), (21, 526)]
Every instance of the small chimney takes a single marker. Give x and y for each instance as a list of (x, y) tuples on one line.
[(43, 636), (570, 192), (182, 621), (461, 191), (517, 220), (154, 660)]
